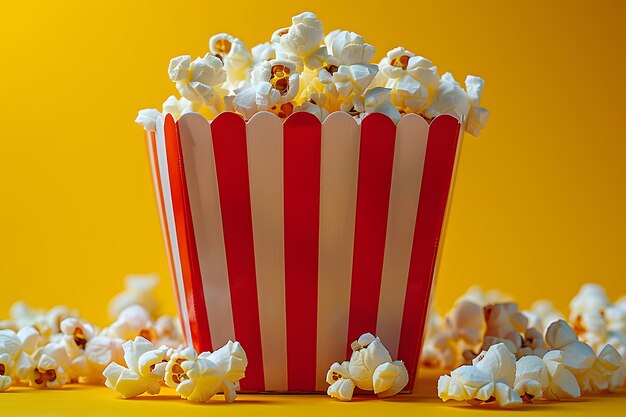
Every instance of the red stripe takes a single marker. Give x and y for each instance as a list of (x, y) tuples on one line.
[(158, 190), (443, 136), (231, 163), (192, 279), (302, 157), (378, 135)]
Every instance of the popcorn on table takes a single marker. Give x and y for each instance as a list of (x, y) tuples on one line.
[(303, 69), (370, 368)]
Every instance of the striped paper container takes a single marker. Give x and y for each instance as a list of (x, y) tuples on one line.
[(295, 238)]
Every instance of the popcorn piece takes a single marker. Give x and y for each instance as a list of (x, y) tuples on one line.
[(142, 374), (18, 362), (139, 289), (476, 295), (368, 353), (199, 377), (347, 48), (98, 354), (6, 370), (541, 314), (263, 52), (147, 119), (50, 368), (168, 332), (199, 81), (282, 76), (489, 378), (563, 384), (378, 100), (76, 334), (310, 107), (132, 321), (606, 374), (532, 344), (531, 378), (235, 56), (349, 79), (536, 378), (390, 378), (578, 357), (504, 322), (341, 384), (451, 99), (302, 42), (590, 297), (176, 107)]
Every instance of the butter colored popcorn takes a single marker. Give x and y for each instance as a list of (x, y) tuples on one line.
[(199, 377), (50, 367), (390, 378), (139, 289), (490, 378), (368, 353), (341, 384), (201, 80), (302, 42), (578, 356), (235, 56), (142, 374)]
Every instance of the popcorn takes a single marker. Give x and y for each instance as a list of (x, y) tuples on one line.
[(168, 332), (537, 378), (370, 368), (450, 98), (490, 378), (49, 367), (541, 314), (412, 79), (142, 374), (606, 374), (347, 48), (139, 289), (302, 42), (199, 81), (147, 118), (199, 377), (578, 357), (390, 378), (349, 79), (235, 56), (504, 325), (341, 384), (368, 353), (98, 354), (263, 52), (133, 321), (76, 334), (17, 361), (6, 370)]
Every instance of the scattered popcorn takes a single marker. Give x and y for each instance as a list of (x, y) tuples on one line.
[(537, 378), (370, 368), (541, 314), (142, 374), (50, 367), (490, 378), (302, 69)]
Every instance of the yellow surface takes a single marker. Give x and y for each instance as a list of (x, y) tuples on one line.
[(540, 197), (89, 401)]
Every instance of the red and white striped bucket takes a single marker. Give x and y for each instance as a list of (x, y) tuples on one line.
[(295, 238)]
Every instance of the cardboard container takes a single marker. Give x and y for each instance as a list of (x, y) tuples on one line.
[(295, 238)]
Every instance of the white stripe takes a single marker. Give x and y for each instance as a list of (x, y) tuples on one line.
[(408, 166), (264, 134), (158, 193), (338, 183), (171, 225), (199, 160)]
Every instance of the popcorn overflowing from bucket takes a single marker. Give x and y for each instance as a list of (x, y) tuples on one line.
[(302, 69)]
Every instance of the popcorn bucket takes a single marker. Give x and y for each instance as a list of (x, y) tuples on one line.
[(295, 238)]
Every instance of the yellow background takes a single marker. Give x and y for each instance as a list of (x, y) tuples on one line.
[(539, 204)]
